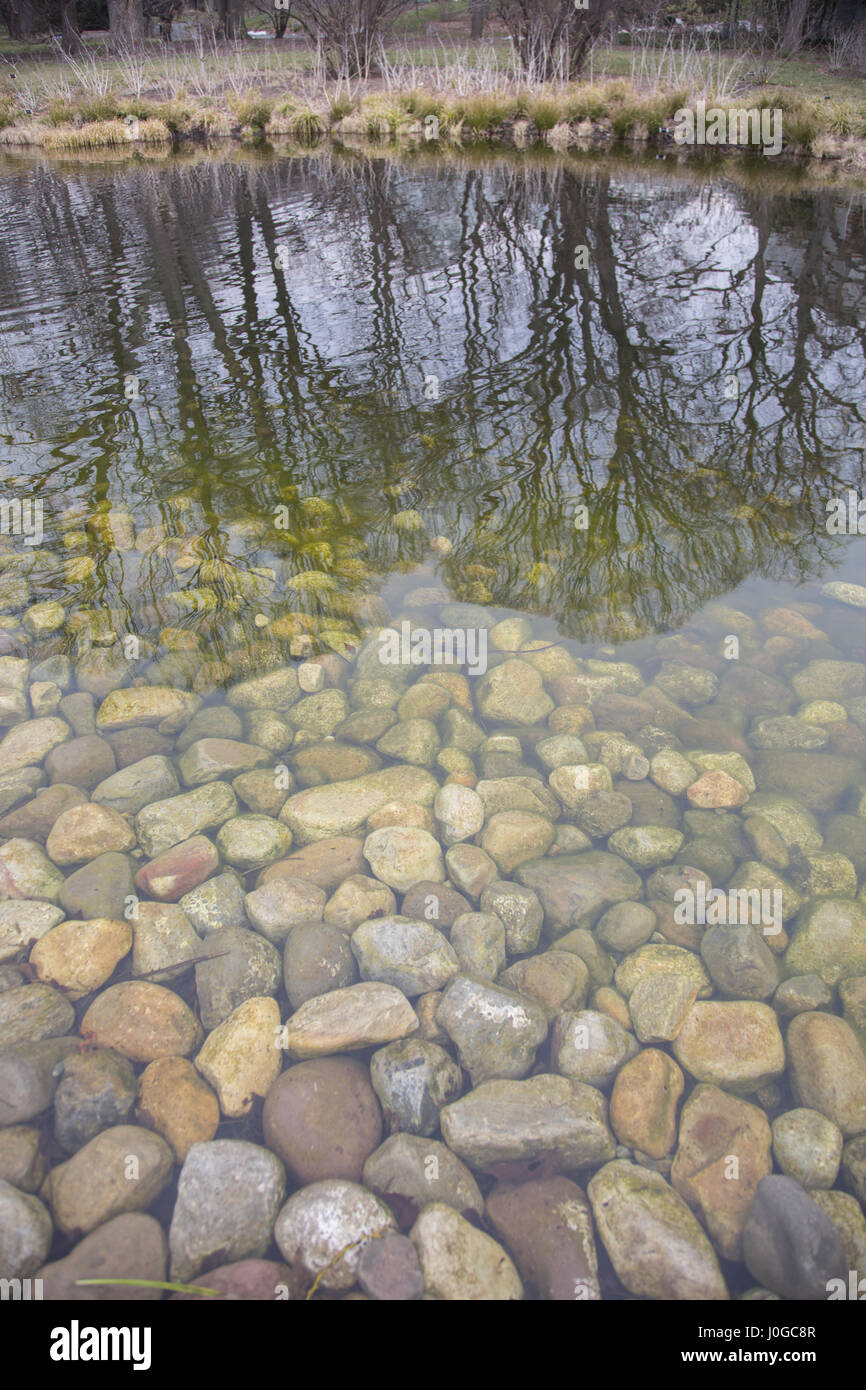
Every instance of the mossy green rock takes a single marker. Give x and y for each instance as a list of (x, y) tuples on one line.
[(655, 1244), (829, 940)]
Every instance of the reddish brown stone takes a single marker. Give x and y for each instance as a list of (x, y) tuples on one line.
[(546, 1224), (322, 1119), (178, 870)]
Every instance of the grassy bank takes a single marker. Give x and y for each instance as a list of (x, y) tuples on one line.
[(457, 93)]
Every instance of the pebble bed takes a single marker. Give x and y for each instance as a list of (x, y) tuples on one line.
[(365, 980)]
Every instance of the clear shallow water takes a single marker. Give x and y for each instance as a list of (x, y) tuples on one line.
[(392, 336)]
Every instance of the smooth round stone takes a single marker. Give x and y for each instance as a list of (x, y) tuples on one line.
[(659, 1005), (324, 1227), (249, 842), (402, 813), (131, 1246), (25, 1233), (228, 1196), (157, 706), (137, 785), (408, 1171), (547, 1226), (276, 908), (789, 1244), (29, 743), (212, 721), (175, 1101), (26, 871), (828, 1069), (643, 1102), (219, 902), (240, 1057), (22, 1162), (436, 903), (178, 870), (723, 1153), (511, 1128), (29, 1013), (512, 838), (209, 759), (625, 926), (478, 938), (401, 856), (830, 940), (142, 1021), (28, 1078), (317, 958), (33, 820), (163, 824), (96, 1090), (389, 1270), (739, 962), (460, 812), (847, 1216), (322, 1119), (234, 965), (80, 956), (513, 693), (470, 869), (557, 980), (655, 1244), (358, 898), (165, 943), (735, 1045), (260, 793), (95, 1183), (414, 741), (101, 888), (590, 1047), (344, 1020), (575, 889), (81, 762), (461, 1263), (671, 771), (660, 960), (786, 731), (411, 955), (646, 846), (800, 994), (807, 1147), (413, 1079), (520, 911), (496, 1032)]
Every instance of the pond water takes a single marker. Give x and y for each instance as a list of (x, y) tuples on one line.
[(603, 417)]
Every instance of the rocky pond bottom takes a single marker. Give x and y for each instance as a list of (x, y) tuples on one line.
[(367, 979)]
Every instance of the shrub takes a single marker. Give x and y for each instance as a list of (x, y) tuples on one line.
[(252, 110)]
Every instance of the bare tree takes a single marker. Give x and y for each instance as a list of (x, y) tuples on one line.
[(555, 36), (126, 23), (348, 31), (70, 33), (478, 15)]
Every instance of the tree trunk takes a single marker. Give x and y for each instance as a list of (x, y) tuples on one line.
[(20, 20), (792, 35), (126, 23), (280, 22), (233, 20), (478, 12), (70, 34)]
